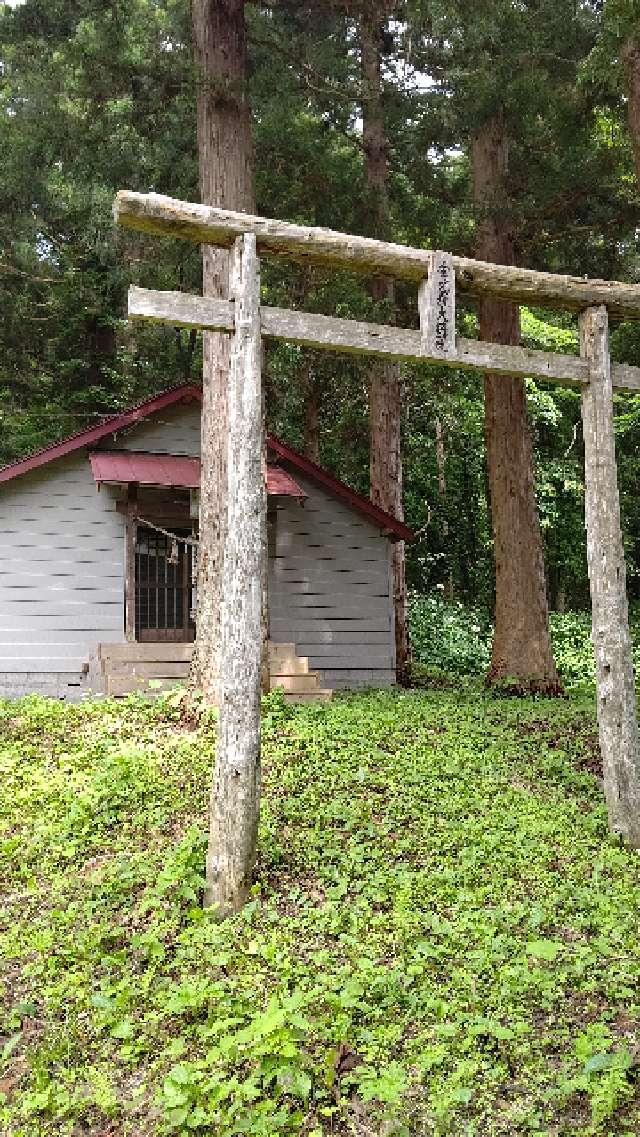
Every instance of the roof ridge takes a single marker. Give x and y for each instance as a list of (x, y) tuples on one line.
[(169, 397), (109, 424)]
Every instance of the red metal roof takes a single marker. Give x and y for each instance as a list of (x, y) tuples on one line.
[(125, 466), (280, 483), (385, 521), (145, 469), (187, 393)]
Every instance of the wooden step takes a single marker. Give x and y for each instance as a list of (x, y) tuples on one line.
[(321, 695), (292, 683), (127, 684), (142, 652)]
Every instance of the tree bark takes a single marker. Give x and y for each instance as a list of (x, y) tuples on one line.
[(101, 339), (225, 157), (441, 464), (311, 400), (631, 63), (385, 387), (521, 644)]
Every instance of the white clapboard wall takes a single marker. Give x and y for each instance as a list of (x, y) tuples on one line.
[(62, 574), (61, 577)]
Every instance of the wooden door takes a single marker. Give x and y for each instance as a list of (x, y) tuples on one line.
[(164, 579)]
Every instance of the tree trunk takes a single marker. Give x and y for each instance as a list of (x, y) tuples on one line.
[(310, 394), (385, 388), (631, 62), (225, 156), (521, 644), (441, 460), (101, 339)]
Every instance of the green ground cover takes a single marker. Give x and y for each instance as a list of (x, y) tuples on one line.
[(443, 939)]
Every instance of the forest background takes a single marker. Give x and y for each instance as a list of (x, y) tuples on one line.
[(98, 97)]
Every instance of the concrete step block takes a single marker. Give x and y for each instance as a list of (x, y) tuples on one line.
[(290, 665), (278, 650), (145, 652), (155, 670)]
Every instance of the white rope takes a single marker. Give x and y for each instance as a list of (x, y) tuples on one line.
[(165, 532)]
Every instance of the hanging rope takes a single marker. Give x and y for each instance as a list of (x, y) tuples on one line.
[(193, 541)]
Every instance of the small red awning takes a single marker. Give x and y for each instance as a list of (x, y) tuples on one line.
[(124, 466), (145, 469)]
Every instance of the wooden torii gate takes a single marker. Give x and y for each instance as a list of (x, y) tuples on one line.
[(235, 811)]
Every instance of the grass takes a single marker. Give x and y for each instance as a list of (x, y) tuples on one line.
[(443, 938)]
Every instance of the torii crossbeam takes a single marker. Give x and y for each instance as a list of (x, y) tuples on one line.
[(438, 275)]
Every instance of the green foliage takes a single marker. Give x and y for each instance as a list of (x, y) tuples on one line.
[(442, 938), (92, 100), (607, 1076), (447, 636), (573, 647)]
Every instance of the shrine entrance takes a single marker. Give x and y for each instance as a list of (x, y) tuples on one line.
[(164, 587)]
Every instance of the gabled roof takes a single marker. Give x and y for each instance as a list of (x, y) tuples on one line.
[(188, 393), (389, 525)]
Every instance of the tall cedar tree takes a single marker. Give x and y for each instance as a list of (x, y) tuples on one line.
[(471, 49), (311, 405), (618, 49), (225, 156), (384, 380), (385, 385), (521, 641), (631, 61)]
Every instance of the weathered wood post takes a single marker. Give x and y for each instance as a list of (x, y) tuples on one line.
[(616, 694), (235, 795), (131, 538)]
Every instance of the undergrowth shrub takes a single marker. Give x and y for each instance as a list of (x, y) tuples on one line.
[(450, 638), (572, 647), (447, 636)]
